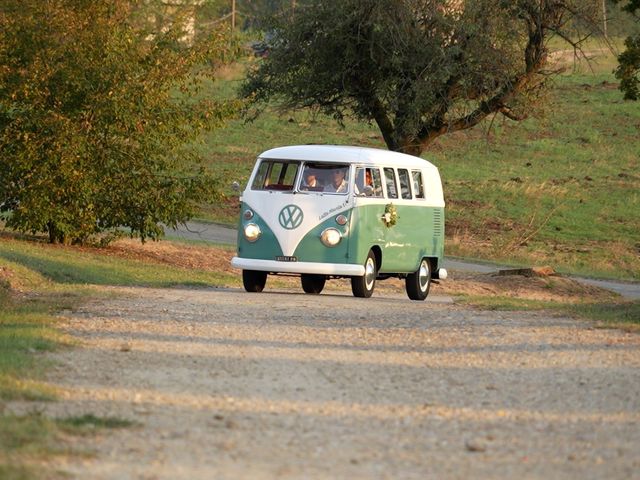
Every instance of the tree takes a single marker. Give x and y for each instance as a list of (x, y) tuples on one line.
[(628, 71), (417, 68), (95, 111)]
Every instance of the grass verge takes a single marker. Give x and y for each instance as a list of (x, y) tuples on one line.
[(624, 315), (28, 441), (620, 315), (36, 281)]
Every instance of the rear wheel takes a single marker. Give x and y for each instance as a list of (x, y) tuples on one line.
[(254, 280), (312, 283), (363, 286), (418, 283)]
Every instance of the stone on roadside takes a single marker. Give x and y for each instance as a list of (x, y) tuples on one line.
[(475, 445)]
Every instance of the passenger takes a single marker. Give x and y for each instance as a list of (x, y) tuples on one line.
[(368, 179), (338, 183), (310, 181), (376, 191)]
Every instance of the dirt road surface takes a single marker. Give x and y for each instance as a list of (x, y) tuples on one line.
[(282, 385)]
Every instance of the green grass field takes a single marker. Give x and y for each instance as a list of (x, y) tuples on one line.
[(560, 189)]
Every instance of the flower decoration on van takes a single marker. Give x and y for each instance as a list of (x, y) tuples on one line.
[(390, 216)]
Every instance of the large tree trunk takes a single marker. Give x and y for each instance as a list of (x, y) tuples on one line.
[(56, 235)]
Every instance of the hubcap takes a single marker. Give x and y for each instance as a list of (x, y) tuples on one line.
[(369, 273), (424, 275)]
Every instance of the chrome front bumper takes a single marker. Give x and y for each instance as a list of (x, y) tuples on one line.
[(341, 269)]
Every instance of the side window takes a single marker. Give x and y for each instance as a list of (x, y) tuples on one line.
[(418, 184), (368, 177), (405, 183), (390, 181), (288, 176), (361, 180), (376, 181), (275, 175), (260, 179)]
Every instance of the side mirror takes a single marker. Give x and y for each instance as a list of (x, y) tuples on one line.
[(235, 186), (368, 190)]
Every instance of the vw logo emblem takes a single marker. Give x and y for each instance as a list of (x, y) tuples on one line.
[(290, 217)]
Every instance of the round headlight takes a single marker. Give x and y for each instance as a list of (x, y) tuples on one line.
[(330, 237), (252, 232)]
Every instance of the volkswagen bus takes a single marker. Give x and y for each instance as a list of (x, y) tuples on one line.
[(323, 212)]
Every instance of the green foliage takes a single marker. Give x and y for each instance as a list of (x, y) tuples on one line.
[(631, 6), (628, 71), (94, 111), (417, 69)]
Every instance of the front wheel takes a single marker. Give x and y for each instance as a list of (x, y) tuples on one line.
[(418, 283), (254, 280), (363, 286), (313, 283)]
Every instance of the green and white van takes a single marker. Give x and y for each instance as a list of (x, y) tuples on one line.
[(323, 212)]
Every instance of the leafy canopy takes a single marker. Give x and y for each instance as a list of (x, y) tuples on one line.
[(418, 68), (628, 71), (95, 110)]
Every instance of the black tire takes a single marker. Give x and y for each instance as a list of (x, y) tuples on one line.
[(419, 282), (313, 283), (363, 286), (253, 280)]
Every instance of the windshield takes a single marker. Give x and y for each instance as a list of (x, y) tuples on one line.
[(325, 177)]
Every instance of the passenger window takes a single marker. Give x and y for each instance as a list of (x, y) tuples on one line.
[(275, 175), (368, 177), (418, 184), (361, 180), (376, 182), (390, 181), (405, 183)]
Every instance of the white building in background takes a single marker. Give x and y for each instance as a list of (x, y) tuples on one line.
[(170, 9)]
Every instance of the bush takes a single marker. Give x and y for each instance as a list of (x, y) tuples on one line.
[(95, 109)]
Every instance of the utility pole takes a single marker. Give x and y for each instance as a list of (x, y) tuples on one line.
[(233, 14), (604, 18)]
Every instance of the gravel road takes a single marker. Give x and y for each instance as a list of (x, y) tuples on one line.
[(283, 385)]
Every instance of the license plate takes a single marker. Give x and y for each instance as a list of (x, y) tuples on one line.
[(287, 259)]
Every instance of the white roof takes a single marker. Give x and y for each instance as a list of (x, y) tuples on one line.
[(345, 154)]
